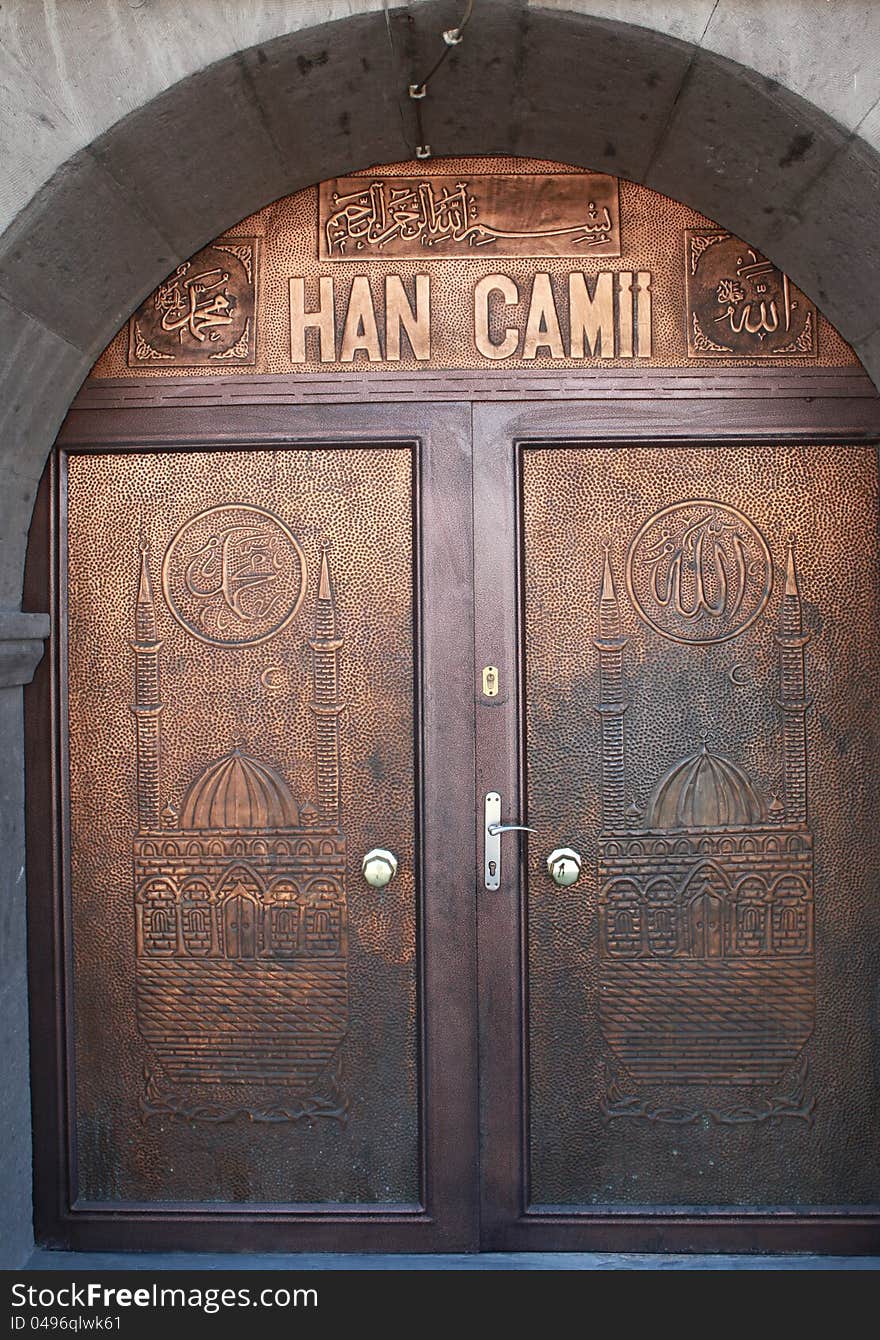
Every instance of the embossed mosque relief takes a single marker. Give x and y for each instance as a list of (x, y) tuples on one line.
[(706, 960), (240, 903)]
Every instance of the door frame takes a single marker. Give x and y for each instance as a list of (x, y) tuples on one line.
[(675, 406), (445, 1218), (501, 433)]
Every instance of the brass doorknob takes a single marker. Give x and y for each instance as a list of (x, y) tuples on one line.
[(564, 865), (379, 867)]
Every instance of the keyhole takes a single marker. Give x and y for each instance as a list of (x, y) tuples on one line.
[(493, 866)]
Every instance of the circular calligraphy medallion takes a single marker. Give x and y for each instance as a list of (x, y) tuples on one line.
[(699, 571), (234, 575)]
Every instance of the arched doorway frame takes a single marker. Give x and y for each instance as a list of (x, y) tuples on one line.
[(107, 227)]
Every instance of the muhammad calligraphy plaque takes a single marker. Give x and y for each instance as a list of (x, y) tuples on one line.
[(740, 305), (204, 315), (233, 575), (437, 217)]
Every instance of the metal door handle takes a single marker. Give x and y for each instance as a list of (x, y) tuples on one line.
[(492, 830), (564, 866), (379, 867)]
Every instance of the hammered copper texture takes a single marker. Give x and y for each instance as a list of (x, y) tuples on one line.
[(652, 229), (714, 1073), (234, 1138)]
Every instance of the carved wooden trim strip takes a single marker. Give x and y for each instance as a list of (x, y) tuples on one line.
[(621, 384)]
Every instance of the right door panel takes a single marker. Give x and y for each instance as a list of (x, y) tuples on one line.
[(701, 716)]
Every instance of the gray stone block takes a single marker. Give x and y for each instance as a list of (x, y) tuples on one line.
[(13, 939), (22, 644), (329, 97), (596, 93), (16, 1232), (40, 373), (830, 243), (739, 148), (35, 135), (16, 507), (16, 1159), (869, 128), (82, 255), (685, 19), (471, 101), (827, 53), (225, 163)]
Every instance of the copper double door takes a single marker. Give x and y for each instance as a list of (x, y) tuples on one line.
[(287, 637)]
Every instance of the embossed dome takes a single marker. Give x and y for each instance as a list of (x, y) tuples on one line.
[(705, 790), (239, 792)]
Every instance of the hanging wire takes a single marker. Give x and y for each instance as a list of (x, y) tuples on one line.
[(396, 69), (452, 37)]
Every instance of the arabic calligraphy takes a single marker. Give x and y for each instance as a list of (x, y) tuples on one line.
[(204, 311), (195, 303), (699, 572), (234, 575), (741, 307), (750, 307), (438, 217)]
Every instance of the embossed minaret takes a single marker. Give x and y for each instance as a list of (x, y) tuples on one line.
[(325, 704), (612, 704), (147, 705), (793, 698)]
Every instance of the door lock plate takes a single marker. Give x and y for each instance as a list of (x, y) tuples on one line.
[(492, 841)]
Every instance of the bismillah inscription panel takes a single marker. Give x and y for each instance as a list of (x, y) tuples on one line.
[(699, 1002), (434, 218), (244, 1022)]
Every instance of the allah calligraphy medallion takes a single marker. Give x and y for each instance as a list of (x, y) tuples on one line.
[(699, 572), (234, 575), (739, 305), (205, 312)]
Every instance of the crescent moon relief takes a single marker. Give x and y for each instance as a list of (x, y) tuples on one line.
[(274, 679)]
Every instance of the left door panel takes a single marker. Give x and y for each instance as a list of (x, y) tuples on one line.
[(238, 683)]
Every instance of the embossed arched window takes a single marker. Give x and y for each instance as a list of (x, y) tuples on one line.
[(197, 918), (157, 908), (792, 915), (283, 920), (622, 918), (752, 921), (661, 917)]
